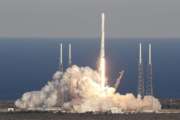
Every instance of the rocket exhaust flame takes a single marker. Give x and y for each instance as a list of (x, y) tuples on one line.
[(102, 70)]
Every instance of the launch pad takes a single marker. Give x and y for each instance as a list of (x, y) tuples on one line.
[(86, 116), (168, 106), (164, 114)]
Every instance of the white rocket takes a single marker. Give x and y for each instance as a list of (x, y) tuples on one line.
[(102, 61), (102, 50)]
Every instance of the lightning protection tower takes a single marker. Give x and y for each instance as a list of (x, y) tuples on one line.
[(140, 91), (149, 84), (61, 58), (69, 55)]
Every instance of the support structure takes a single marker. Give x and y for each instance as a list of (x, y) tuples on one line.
[(149, 82), (61, 58), (69, 55), (140, 91), (118, 80)]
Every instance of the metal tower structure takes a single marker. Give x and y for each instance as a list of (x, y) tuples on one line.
[(69, 55), (61, 58), (149, 84), (140, 91)]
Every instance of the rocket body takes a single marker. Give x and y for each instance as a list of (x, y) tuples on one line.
[(102, 60), (102, 51)]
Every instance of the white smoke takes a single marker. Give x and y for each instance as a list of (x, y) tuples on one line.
[(79, 90)]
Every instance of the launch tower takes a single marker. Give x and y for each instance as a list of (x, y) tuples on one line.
[(149, 84), (69, 55), (61, 58), (140, 91)]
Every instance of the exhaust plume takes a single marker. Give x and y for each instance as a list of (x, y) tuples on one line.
[(82, 86)]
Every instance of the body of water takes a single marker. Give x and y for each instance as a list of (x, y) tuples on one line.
[(27, 64)]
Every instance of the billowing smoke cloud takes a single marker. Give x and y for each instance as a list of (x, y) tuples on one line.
[(79, 90)]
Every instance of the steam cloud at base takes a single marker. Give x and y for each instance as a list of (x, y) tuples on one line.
[(79, 90)]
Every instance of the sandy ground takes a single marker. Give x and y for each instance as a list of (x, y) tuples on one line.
[(87, 116)]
